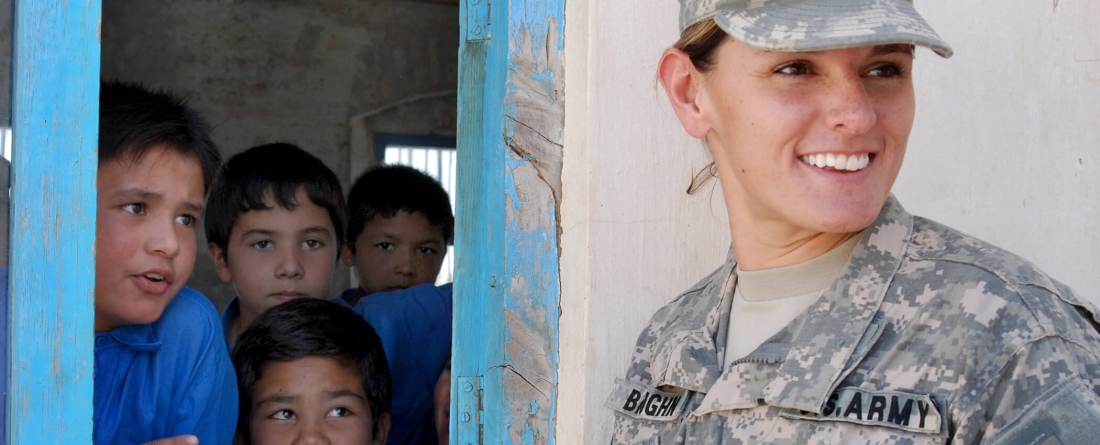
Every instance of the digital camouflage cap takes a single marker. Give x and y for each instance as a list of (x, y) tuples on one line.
[(815, 25)]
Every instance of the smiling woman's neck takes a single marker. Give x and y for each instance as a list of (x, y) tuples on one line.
[(764, 246), (758, 251)]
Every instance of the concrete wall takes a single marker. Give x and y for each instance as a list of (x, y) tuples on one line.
[(286, 70), (1006, 146)]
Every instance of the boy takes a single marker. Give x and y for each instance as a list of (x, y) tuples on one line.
[(399, 226), (310, 371), (161, 367), (275, 227)]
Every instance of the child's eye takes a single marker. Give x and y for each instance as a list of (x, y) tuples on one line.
[(427, 250), (795, 68), (262, 244), (283, 414), (135, 208), (384, 246), (339, 411), (313, 243), (186, 220)]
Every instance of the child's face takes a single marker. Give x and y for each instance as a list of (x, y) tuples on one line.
[(146, 214), (398, 252), (313, 400), (276, 255)]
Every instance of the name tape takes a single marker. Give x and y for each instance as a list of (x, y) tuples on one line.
[(916, 413), (641, 402)]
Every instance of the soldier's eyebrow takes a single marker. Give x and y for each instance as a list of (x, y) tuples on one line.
[(892, 49), (877, 51), (764, 53)]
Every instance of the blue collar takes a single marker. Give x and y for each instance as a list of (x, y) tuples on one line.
[(139, 337)]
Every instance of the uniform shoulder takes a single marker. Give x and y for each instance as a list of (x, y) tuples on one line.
[(961, 257), (677, 329), (190, 315)]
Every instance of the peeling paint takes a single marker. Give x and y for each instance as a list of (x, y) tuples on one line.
[(533, 135), (522, 146)]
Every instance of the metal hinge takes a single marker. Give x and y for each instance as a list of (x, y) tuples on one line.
[(477, 20), (469, 430)]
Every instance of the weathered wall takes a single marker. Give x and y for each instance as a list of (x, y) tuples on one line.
[(285, 70), (1005, 147)]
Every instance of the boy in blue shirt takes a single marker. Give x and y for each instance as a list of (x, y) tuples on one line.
[(275, 225), (161, 367), (399, 226), (310, 371)]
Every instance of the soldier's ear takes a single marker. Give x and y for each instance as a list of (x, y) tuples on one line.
[(680, 80)]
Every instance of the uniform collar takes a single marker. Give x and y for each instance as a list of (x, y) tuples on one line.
[(139, 337), (839, 329), (686, 354), (822, 351)]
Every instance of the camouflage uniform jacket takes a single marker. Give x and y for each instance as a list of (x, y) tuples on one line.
[(929, 336)]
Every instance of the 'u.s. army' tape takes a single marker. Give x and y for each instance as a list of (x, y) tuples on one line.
[(916, 413)]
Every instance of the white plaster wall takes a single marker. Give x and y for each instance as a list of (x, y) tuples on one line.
[(632, 240), (1006, 146)]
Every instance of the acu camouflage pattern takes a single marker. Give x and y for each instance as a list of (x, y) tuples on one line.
[(920, 309), (815, 25)]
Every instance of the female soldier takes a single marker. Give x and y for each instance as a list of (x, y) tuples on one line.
[(842, 318)]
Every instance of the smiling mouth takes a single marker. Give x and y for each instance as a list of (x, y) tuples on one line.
[(837, 162)]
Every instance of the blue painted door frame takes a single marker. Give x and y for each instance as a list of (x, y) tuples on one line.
[(51, 322), (507, 296), (507, 291)]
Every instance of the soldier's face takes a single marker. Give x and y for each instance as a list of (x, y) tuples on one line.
[(810, 140)]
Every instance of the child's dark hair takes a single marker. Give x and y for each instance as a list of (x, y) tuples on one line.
[(281, 169), (386, 189), (133, 119), (309, 327)]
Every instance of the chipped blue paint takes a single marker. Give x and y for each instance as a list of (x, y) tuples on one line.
[(510, 183), (55, 119), (495, 250), (528, 437)]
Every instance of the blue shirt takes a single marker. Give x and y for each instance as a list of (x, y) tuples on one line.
[(415, 327), (230, 313), (167, 378)]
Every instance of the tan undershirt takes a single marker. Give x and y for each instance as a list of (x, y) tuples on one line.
[(766, 301)]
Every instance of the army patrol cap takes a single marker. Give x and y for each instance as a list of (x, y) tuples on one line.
[(815, 25)]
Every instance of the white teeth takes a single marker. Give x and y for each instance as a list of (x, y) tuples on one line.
[(841, 162), (154, 276), (852, 162)]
